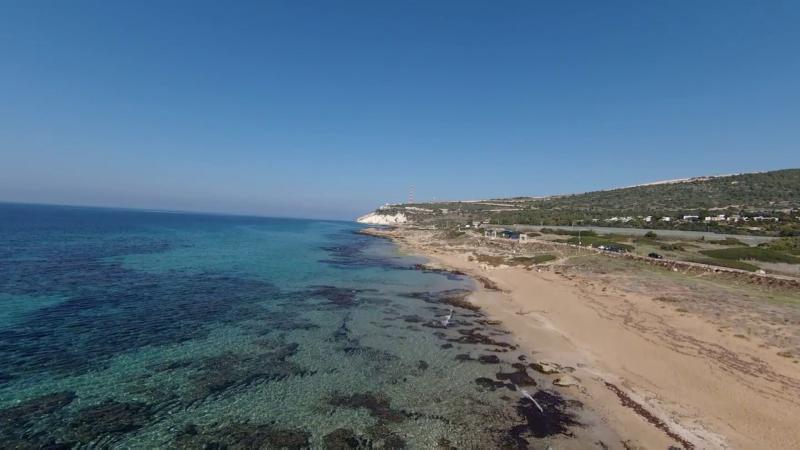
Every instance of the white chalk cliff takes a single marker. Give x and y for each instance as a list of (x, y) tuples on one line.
[(383, 219)]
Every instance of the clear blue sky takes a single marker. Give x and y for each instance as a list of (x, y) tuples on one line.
[(328, 109)]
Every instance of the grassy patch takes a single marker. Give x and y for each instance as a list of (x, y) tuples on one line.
[(729, 263), (754, 253), (490, 259), (672, 247), (787, 244), (667, 299), (648, 241), (531, 260), (726, 241)]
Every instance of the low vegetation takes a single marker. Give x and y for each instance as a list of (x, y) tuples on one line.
[(765, 203), (532, 260), (729, 263), (526, 261), (726, 241), (752, 253), (787, 244), (489, 259)]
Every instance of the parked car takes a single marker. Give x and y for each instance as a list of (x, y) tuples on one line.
[(655, 255), (614, 248)]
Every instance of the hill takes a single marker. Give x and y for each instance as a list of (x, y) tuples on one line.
[(761, 203)]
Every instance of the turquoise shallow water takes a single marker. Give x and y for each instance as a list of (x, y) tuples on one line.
[(152, 330)]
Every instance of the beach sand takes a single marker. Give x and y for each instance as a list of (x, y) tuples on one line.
[(666, 359)]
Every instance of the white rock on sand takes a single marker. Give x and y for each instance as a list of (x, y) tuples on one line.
[(382, 219), (566, 381), (545, 367)]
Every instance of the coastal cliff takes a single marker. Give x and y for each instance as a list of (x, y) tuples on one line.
[(376, 218)]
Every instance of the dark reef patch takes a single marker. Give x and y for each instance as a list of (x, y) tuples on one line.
[(241, 436), (16, 422), (555, 420), (336, 296), (474, 336), (123, 310), (451, 274), (453, 297), (108, 419), (519, 377), (488, 359), (344, 439), (377, 404), (413, 318), (490, 384), (219, 373)]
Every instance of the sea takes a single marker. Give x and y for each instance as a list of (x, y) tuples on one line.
[(136, 329)]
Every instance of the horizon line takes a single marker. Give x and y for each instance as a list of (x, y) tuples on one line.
[(169, 211)]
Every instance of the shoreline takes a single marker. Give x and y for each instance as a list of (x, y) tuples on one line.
[(658, 378)]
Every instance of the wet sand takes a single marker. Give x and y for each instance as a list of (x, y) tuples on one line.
[(658, 375)]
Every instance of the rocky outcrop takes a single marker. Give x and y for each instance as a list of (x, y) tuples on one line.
[(375, 218)]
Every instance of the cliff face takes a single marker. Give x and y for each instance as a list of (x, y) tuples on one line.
[(375, 218)]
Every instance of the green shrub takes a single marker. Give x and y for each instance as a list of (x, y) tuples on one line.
[(672, 247), (651, 235)]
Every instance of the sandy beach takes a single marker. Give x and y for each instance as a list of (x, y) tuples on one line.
[(665, 358)]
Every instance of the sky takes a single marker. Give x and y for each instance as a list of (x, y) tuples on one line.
[(329, 109)]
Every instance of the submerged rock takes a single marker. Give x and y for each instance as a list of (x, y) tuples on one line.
[(242, 436), (110, 417), (489, 359), (474, 336), (452, 297), (339, 297), (491, 384), (35, 408), (555, 420), (344, 439), (377, 404), (519, 377), (15, 422)]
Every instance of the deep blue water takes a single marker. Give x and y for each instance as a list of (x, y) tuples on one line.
[(143, 329)]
